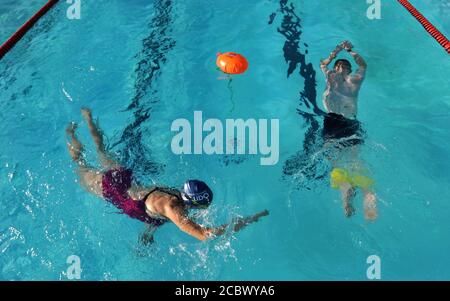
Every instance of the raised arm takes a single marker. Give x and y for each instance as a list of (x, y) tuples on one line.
[(361, 72), (358, 59), (324, 63)]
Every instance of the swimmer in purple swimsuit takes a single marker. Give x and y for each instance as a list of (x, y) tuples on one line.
[(155, 205)]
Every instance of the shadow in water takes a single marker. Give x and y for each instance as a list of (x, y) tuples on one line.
[(301, 164), (153, 56)]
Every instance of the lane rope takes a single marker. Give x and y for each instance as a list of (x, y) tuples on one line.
[(436, 34), (20, 33)]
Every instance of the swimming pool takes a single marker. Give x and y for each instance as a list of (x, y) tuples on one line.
[(139, 65)]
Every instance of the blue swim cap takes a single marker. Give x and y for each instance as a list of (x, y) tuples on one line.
[(197, 194)]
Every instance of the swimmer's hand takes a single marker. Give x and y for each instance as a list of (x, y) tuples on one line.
[(347, 45), (146, 239), (237, 225), (240, 223), (333, 54)]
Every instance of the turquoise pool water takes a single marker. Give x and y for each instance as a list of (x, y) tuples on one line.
[(14, 13), (141, 64)]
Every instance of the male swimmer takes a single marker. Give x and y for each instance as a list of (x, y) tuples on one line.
[(343, 131), (153, 205)]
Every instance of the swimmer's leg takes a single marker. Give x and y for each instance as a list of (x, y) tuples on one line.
[(74, 146), (147, 237), (90, 179), (348, 193), (105, 158), (364, 183), (370, 205), (341, 179)]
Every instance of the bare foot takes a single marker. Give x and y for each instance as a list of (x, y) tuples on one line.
[(74, 146), (370, 206), (87, 114), (71, 128), (348, 194), (349, 210)]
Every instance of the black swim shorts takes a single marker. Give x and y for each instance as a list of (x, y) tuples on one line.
[(337, 127)]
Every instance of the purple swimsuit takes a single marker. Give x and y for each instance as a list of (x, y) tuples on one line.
[(116, 183)]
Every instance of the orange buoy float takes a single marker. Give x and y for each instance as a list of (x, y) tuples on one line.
[(232, 63)]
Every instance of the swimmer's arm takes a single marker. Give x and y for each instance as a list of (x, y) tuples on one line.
[(147, 236), (324, 63), (243, 222), (361, 72), (239, 223), (179, 217)]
